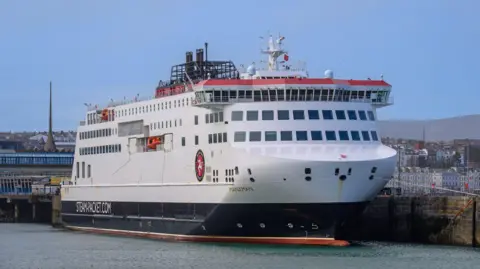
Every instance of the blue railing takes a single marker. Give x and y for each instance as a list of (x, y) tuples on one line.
[(34, 158)]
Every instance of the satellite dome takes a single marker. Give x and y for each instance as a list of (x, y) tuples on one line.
[(328, 74), (251, 70)]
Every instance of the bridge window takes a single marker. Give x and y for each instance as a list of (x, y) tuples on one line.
[(374, 135), (283, 115), (316, 135), (371, 116), (313, 115), (340, 115), (255, 136), (252, 115), (362, 115), (352, 115), (343, 135), (239, 137), (286, 135), (355, 135), (270, 136), (301, 135), (327, 114), (298, 115), (267, 114), (366, 136), (330, 135), (237, 115)]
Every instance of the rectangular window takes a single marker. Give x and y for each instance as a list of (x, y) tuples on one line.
[(365, 136), (330, 135), (211, 117), (215, 115), (355, 135), (286, 135), (220, 138), (327, 114), (237, 115), (78, 170), (215, 140), (83, 169), (270, 136), (313, 115), (374, 135), (239, 137), (225, 137), (255, 136), (298, 115), (207, 118), (196, 120), (210, 139), (301, 135), (183, 141), (267, 114), (220, 116), (252, 115), (352, 115), (362, 115), (196, 140), (89, 171), (371, 116), (343, 135), (316, 135), (283, 115), (340, 115)]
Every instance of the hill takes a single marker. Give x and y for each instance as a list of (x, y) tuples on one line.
[(463, 127)]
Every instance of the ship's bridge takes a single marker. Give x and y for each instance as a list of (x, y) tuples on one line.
[(211, 93)]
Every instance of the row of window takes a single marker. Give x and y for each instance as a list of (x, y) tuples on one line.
[(213, 117), (97, 133), (101, 149), (253, 115), (217, 138), (256, 136), (165, 124)]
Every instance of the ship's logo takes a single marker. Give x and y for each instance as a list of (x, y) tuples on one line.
[(199, 165)]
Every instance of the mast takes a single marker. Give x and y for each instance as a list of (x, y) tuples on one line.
[(274, 51)]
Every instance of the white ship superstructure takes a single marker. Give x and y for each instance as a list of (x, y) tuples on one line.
[(222, 154)]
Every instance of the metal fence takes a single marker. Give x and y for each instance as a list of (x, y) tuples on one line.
[(434, 184)]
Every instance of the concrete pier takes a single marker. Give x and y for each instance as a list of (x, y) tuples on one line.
[(434, 220)]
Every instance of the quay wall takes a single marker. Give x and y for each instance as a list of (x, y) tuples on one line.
[(446, 220)]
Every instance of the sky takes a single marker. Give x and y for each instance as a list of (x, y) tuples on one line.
[(91, 50)]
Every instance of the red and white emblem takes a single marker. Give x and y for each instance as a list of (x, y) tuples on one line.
[(199, 165)]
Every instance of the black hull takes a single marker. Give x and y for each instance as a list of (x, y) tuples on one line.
[(211, 220)]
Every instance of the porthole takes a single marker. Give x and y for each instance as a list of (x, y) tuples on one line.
[(308, 178), (252, 179), (342, 177), (371, 177)]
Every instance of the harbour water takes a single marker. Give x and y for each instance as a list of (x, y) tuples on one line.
[(39, 246)]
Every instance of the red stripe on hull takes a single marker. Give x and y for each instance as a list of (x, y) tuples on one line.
[(219, 239)]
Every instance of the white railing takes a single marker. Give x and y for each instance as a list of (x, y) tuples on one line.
[(119, 103)]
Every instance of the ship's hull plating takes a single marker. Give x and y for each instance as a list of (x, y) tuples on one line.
[(249, 223)]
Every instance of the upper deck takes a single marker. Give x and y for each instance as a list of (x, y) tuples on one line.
[(217, 83)]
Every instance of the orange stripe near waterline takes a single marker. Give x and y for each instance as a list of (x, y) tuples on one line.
[(312, 241)]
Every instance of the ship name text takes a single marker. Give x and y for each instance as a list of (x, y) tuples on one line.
[(241, 189), (94, 207)]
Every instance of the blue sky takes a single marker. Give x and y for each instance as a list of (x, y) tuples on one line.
[(96, 50)]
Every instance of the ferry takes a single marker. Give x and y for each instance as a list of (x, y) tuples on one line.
[(226, 154)]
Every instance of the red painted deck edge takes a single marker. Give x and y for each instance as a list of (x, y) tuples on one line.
[(218, 239)]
